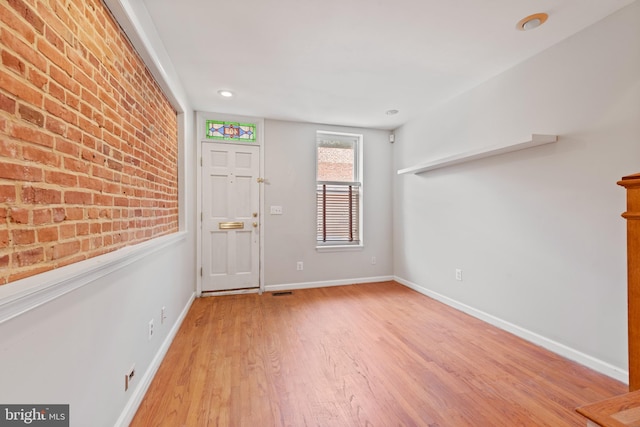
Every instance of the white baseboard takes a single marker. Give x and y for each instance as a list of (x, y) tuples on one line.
[(556, 347), (324, 284), (138, 394)]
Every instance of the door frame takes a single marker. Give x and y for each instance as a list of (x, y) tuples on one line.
[(201, 120)]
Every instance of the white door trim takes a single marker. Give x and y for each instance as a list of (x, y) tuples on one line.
[(201, 118)]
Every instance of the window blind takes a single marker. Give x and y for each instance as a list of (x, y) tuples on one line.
[(338, 211)]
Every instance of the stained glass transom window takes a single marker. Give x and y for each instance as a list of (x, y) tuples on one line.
[(231, 131)]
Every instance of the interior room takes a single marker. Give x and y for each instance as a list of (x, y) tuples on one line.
[(485, 142)]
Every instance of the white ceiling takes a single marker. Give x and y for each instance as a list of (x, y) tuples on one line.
[(347, 62)]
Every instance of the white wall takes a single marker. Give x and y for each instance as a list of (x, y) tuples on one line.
[(77, 348), (538, 233), (290, 182)]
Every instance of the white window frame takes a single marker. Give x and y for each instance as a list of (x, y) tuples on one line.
[(358, 166)]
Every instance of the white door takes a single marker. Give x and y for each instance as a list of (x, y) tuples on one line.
[(230, 201)]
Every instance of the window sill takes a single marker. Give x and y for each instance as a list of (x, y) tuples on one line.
[(339, 248)]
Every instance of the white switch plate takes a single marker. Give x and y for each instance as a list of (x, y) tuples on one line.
[(276, 210)]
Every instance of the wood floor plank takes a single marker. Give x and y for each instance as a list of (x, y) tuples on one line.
[(365, 355)]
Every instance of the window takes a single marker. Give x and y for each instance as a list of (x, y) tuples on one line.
[(338, 189)]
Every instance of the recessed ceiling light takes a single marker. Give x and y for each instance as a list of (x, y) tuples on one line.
[(532, 21), (225, 93), (392, 112)]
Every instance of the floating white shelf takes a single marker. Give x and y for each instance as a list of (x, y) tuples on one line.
[(536, 139)]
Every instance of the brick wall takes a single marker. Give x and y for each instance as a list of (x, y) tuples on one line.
[(88, 142)]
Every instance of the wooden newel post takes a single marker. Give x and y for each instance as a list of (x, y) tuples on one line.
[(632, 215)]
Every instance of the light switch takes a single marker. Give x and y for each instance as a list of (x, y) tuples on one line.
[(276, 210)]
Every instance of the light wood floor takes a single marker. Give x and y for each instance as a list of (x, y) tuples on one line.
[(366, 355)]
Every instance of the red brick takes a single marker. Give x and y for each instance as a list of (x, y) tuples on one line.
[(61, 13), (76, 56), (111, 187), (43, 196), (28, 14), (13, 63), (7, 193), (8, 148), (53, 22), (37, 78), (29, 134), (64, 78), (59, 214), (60, 111), (56, 126), (49, 234), (89, 142), (35, 154), (31, 115), (57, 57), (28, 257), (67, 146), (77, 166), (7, 104), (61, 178), (86, 110), (4, 238), (57, 91), (67, 231), (89, 126), (74, 214), (14, 85), (77, 198), (23, 237), (93, 156), (88, 84), (41, 216), (103, 200), (13, 21), (113, 164), (62, 250), (90, 183), (20, 172), (82, 229), (54, 39), (72, 101), (19, 215)]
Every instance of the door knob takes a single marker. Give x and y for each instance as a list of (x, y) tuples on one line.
[(255, 224)]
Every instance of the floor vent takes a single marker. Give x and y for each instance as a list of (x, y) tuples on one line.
[(281, 294)]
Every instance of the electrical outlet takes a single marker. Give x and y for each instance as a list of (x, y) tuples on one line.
[(300, 266), (459, 274), (373, 260), (128, 377), (163, 315), (151, 331)]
